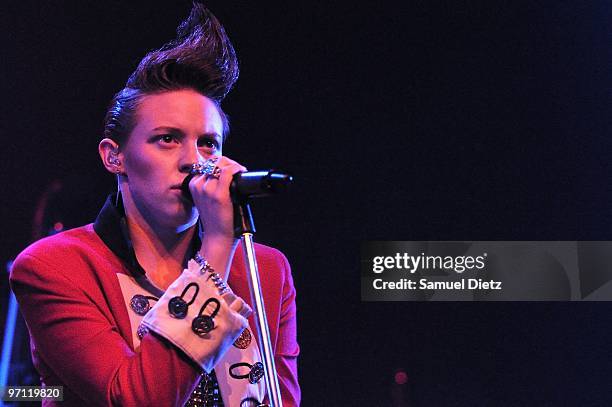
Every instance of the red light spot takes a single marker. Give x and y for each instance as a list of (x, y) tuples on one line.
[(58, 226), (401, 377)]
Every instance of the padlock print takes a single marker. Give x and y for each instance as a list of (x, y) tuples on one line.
[(178, 307), (203, 324)]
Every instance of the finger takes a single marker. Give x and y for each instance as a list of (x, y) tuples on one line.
[(196, 184), (228, 171), (225, 162), (241, 307), (221, 165), (198, 181), (216, 187)]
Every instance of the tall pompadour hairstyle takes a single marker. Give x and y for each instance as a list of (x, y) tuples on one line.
[(201, 58)]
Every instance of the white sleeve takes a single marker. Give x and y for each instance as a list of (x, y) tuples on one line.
[(229, 314)]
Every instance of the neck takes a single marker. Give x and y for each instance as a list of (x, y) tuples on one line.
[(161, 251)]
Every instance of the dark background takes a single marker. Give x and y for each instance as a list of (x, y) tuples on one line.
[(400, 121)]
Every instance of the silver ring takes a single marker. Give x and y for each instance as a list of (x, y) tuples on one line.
[(208, 167), (216, 173)]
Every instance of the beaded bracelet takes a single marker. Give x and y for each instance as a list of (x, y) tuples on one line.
[(206, 267), (204, 264)]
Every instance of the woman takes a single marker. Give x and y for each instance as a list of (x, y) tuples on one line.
[(145, 306)]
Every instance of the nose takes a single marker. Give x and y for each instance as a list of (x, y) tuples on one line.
[(191, 155)]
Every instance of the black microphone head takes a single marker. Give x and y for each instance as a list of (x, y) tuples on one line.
[(185, 187), (278, 181), (255, 184)]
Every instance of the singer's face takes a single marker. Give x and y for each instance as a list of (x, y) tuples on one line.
[(173, 130)]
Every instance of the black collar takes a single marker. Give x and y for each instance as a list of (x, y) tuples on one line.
[(111, 226)]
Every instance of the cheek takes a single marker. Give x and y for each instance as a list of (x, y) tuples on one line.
[(138, 164)]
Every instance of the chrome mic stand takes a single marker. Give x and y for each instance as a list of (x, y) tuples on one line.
[(245, 228)]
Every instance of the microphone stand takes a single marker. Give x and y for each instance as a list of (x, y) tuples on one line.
[(244, 186), (247, 185), (244, 228)]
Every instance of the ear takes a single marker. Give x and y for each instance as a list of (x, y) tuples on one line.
[(111, 157)]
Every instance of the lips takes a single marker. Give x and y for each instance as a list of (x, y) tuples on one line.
[(177, 188), (178, 185), (183, 193)]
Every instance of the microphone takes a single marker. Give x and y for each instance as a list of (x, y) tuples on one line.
[(251, 184)]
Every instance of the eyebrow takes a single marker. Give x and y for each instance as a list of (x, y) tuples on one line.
[(176, 130)]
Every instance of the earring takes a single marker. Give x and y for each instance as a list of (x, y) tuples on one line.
[(116, 162)]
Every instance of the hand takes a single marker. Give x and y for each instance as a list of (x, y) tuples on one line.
[(212, 200)]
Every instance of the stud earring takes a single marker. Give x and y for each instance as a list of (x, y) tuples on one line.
[(116, 163)]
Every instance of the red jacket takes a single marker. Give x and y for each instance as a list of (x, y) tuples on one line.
[(81, 336)]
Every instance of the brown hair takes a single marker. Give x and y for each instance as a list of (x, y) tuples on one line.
[(201, 58)]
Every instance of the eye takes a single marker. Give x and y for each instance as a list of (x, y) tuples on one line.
[(167, 138), (208, 143)]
